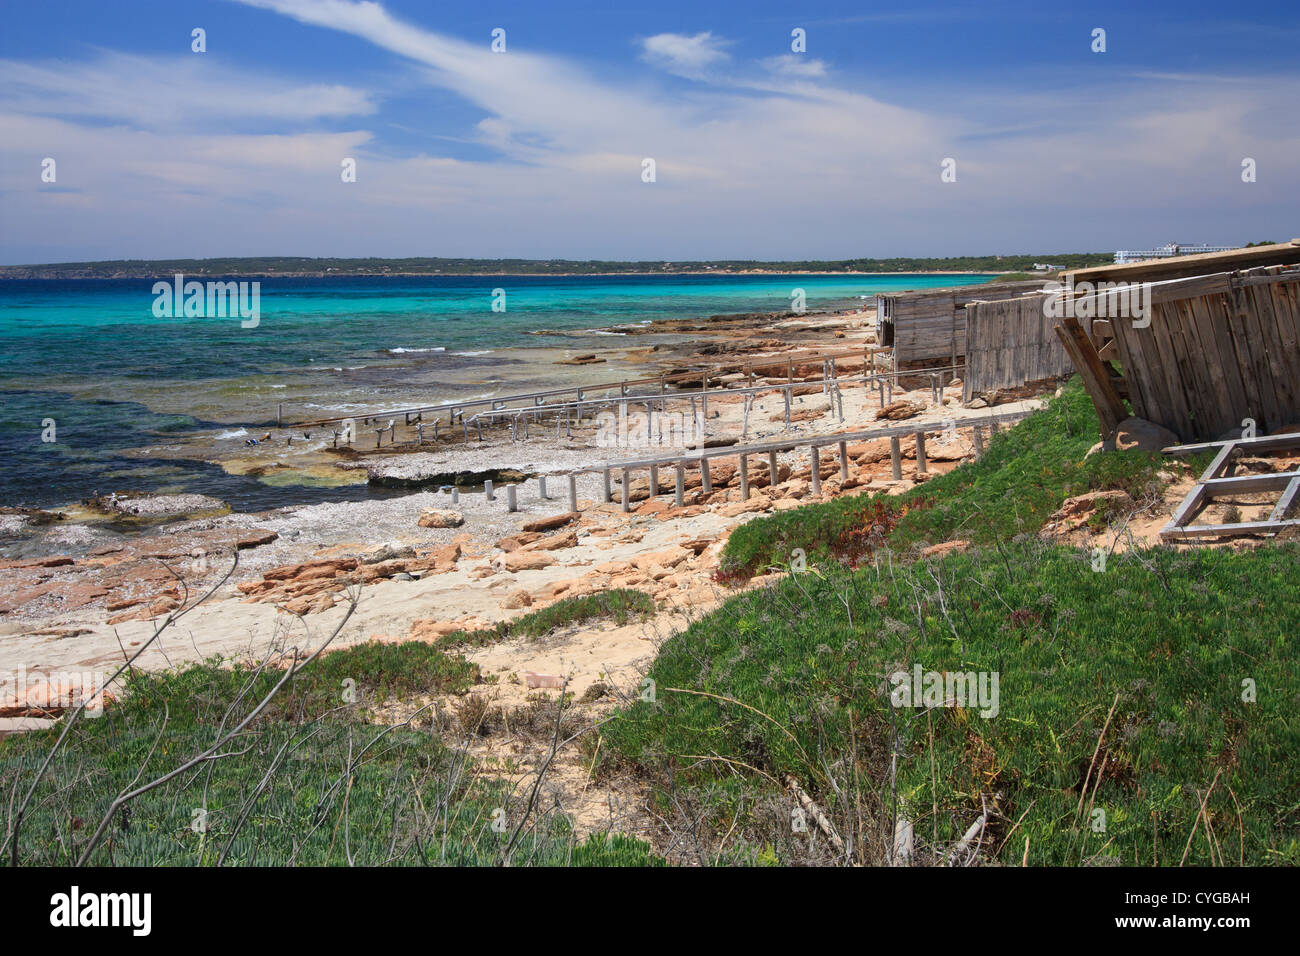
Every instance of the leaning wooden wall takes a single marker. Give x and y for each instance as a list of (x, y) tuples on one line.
[(1219, 349), (1010, 343)]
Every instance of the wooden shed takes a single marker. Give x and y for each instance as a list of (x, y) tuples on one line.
[(1218, 349), (1012, 342), (929, 325)]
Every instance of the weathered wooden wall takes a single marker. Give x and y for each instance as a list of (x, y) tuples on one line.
[(928, 325), (1011, 342), (1219, 349)]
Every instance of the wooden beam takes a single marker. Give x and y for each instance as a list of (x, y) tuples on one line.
[(1153, 270), (1284, 503), (1258, 443), (1096, 378), (1229, 530)]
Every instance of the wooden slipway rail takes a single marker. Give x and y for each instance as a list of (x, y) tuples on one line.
[(814, 443), (536, 399), (1217, 482), (568, 414)]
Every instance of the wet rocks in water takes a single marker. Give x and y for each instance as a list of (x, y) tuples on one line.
[(419, 470), (437, 518), (156, 506)]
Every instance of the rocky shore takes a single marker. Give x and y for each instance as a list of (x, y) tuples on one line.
[(421, 565)]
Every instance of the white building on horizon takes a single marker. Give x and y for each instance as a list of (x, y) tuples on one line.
[(1168, 250)]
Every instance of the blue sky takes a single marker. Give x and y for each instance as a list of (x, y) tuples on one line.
[(537, 152)]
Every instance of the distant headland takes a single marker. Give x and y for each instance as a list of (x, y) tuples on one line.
[(304, 267)]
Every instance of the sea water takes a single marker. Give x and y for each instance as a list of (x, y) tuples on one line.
[(121, 385)]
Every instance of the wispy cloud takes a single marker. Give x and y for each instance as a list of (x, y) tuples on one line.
[(163, 91), (688, 56), (781, 156)]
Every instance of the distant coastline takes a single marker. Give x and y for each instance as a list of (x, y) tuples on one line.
[(488, 275), (292, 267)]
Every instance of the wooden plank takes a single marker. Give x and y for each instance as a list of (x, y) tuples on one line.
[(1172, 373), (1248, 484), (1228, 530), (1215, 328), (1286, 501), (1209, 395), (1257, 444), (1110, 409), (1190, 505), (1175, 267)]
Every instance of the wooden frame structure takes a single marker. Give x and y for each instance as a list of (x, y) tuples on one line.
[(1216, 482)]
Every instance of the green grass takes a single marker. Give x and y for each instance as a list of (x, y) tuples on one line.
[(311, 781), (1172, 635), (620, 606), (1025, 474)]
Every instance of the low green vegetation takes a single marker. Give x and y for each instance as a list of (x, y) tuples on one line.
[(1138, 710), (312, 780), (619, 606), (1145, 709), (1195, 652), (1025, 474)]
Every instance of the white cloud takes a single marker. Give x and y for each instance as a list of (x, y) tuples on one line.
[(796, 65), (777, 161), (164, 91), (688, 56)]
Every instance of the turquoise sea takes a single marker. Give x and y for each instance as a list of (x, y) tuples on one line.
[(119, 383)]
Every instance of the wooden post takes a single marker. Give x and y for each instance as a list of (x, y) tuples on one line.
[(573, 492), (627, 490), (541, 488), (512, 503), (487, 491), (744, 477), (654, 480), (815, 472), (608, 495), (920, 453), (706, 477), (977, 434), (772, 476), (844, 461), (787, 405), (679, 485), (896, 457), (1096, 378)]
